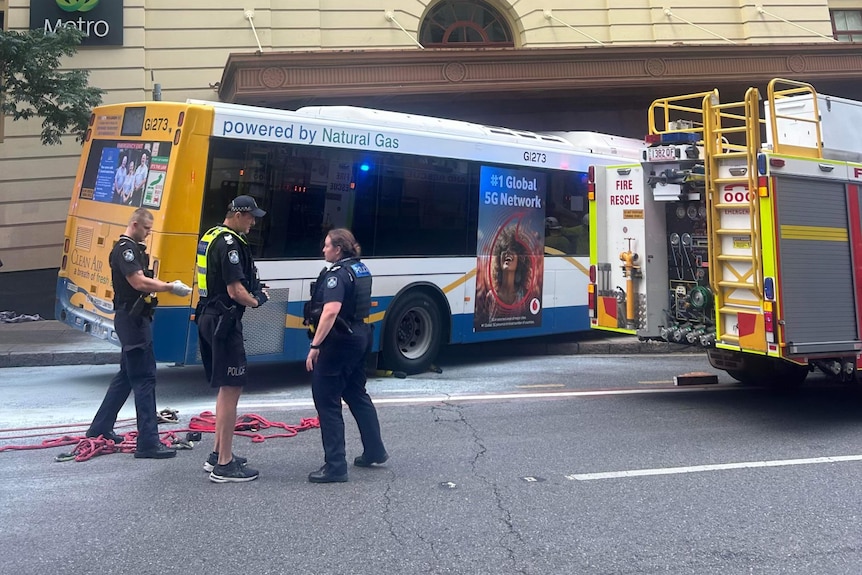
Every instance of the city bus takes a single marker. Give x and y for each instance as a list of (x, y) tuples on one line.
[(450, 216)]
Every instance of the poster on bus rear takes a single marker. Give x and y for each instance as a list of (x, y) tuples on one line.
[(510, 260), (126, 173)]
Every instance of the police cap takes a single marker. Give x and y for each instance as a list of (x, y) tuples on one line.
[(246, 204)]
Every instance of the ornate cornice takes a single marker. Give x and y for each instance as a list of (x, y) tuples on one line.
[(278, 76)]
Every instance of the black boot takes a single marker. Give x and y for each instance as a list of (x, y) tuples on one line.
[(325, 475)]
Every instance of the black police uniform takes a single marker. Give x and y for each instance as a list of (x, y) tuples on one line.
[(340, 369), (133, 324), (229, 259)]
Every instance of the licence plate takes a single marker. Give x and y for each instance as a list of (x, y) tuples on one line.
[(660, 153)]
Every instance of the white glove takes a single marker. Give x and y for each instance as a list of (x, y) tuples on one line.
[(179, 288)]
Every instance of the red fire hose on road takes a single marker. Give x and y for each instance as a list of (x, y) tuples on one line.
[(247, 425)]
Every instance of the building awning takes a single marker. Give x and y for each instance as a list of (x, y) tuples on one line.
[(585, 78)]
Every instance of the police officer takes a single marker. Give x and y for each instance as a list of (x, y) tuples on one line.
[(341, 338), (133, 284), (227, 284)]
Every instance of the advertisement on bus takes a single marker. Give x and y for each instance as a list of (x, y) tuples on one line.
[(126, 173), (510, 260)]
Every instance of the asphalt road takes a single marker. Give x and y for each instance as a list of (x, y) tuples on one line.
[(585, 464)]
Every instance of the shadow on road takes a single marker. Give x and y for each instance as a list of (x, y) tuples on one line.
[(816, 406)]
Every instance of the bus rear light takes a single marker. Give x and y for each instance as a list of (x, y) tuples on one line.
[(177, 137), (593, 274), (181, 119)]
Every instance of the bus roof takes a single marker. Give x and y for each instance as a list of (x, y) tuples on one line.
[(583, 142)]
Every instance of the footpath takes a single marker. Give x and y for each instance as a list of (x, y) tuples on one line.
[(49, 342)]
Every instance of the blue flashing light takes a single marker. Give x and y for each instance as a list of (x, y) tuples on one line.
[(364, 167), (769, 288), (761, 164), (679, 138)]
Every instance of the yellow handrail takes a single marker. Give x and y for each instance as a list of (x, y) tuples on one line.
[(794, 88), (691, 104)]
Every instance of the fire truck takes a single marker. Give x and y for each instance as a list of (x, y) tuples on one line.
[(739, 231)]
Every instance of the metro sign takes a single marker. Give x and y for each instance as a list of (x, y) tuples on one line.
[(101, 21)]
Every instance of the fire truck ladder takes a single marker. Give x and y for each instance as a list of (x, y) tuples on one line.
[(732, 134)]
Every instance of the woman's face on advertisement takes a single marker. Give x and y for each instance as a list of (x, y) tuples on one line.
[(508, 260)]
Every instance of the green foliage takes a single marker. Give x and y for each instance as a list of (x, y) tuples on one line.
[(31, 84)]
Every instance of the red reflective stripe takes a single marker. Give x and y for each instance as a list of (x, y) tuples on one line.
[(853, 205)]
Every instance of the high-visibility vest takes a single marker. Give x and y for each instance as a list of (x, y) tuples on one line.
[(203, 252)]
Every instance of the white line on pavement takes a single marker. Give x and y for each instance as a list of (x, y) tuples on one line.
[(441, 398), (716, 467)]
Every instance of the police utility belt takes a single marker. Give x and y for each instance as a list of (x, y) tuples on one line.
[(228, 315), (145, 304)]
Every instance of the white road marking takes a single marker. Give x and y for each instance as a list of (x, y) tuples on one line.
[(716, 467), (442, 398), (540, 386)]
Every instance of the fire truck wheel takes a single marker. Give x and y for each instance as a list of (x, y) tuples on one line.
[(413, 333), (770, 372), (743, 377), (787, 375)]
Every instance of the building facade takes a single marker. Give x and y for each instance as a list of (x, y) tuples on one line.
[(529, 64)]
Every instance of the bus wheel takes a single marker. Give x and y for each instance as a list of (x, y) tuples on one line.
[(412, 334)]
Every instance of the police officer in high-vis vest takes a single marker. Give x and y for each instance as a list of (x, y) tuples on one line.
[(340, 340), (133, 285), (227, 284)]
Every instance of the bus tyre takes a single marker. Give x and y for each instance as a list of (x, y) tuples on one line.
[(412, 334)]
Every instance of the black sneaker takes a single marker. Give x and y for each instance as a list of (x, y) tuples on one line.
[(110, 436), (233, 472), (212, 461), (365, 461), (157, 452)]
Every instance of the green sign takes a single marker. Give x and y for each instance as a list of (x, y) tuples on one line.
[(77, 5), (101, 21)]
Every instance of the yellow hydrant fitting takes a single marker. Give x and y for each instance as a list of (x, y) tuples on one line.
[(630, 271)]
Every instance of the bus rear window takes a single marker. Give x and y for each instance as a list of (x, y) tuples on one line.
[(127, 173), (133, 121)]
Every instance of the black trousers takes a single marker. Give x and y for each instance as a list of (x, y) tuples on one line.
[(340, 374), (137, 374)]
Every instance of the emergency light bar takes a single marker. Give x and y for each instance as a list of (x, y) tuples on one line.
[(672, 138)]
